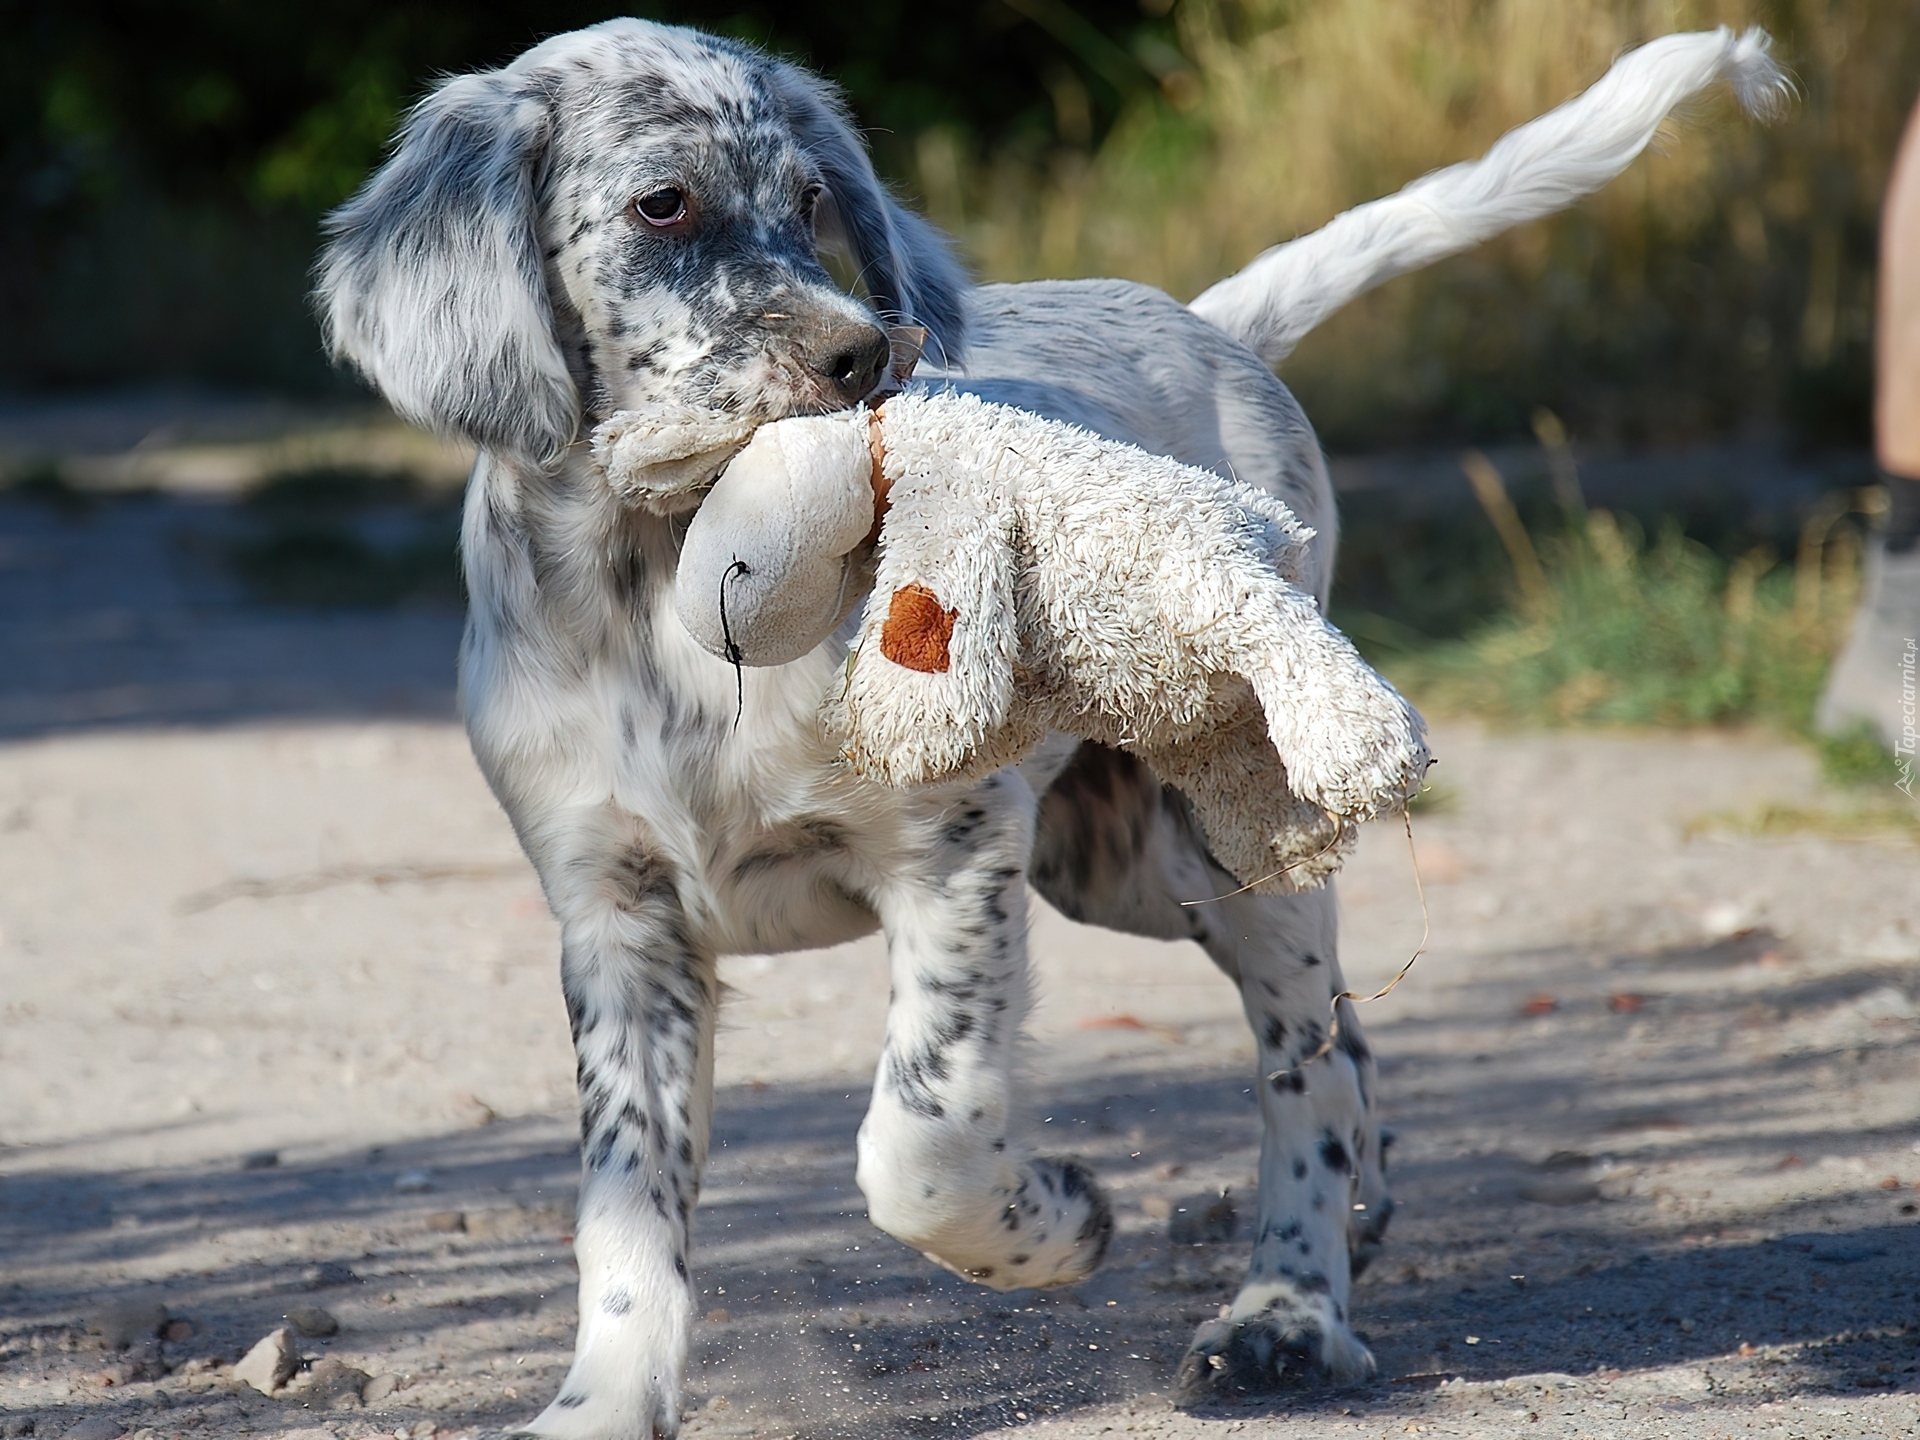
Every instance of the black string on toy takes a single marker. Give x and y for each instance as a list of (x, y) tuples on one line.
[(738, 567)]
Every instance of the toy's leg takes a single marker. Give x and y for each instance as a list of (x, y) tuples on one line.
[(1116, 848), (938, 1162), (641, 993)]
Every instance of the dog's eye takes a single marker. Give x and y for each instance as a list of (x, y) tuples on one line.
[(661, 208)]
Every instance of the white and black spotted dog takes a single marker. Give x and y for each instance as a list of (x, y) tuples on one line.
[(635, 213)]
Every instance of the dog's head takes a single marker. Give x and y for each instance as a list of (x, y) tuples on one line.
[(628, 214)]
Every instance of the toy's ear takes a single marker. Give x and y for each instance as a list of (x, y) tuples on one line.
[(906, 265), (432, 282), (931, 690)]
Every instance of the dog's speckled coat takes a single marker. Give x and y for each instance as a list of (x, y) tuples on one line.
[(631, 213)]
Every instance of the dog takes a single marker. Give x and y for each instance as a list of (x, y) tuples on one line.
[(636, 212)]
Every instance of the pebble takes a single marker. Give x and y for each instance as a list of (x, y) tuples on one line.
[(270, 1364), (379, 1388), (328, 1274), (260, 1160), (1560, 1192), (177, 1331), (312, 1320), (126, 1322), (1202, 1220), (333, 1385), (96, 1427), (413, 1182), (447, 1222)]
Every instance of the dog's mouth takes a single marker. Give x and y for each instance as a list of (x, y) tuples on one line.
[(664, 455)]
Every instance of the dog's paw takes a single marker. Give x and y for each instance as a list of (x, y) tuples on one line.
[(1049, 1226), (618, 1403), (1272, 1337)]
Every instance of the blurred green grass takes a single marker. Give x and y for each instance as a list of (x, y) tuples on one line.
[(1600, 621)]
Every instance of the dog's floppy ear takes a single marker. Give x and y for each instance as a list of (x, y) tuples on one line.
[(432, 282), (906, 265)]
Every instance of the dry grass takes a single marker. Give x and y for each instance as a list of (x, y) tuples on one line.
[(1728, 276)]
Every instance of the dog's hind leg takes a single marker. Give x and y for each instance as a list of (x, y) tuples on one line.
[(939, 1161), (1117, 848), (642, 995), (1323, 1201)]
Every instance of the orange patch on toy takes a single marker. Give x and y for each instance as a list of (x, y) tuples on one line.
[(917, 630)]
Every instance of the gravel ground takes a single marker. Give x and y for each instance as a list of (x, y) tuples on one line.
[(279, 1032)]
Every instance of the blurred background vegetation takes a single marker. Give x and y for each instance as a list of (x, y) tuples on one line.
[(164, 164)]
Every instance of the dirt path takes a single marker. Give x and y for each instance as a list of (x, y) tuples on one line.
[(280, 1028)]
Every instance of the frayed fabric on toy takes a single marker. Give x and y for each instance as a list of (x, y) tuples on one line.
[(1032, 577)]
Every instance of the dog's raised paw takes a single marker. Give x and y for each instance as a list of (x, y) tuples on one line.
[(1049, 1226)]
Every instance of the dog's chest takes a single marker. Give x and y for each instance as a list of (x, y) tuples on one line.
[(731, 777), (603, 724)]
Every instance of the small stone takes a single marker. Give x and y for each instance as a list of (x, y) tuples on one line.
[(17, 1426), (96, 1427), (127, 1322), (719, 1316), (447, 1222), (312, 1432), (260, 1160), (1560, 1192), (270, 1364), (413, 1182), (333, 1385), (423, 1430), (177, 1331), (505, 1224), (312, 1320), (1202, 1220), (379, 1388), (328, 1274)]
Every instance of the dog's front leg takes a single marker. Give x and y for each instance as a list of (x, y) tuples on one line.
[(641, 994), (939, 1164)]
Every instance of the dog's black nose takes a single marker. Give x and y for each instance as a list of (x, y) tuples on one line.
[(849, 360)]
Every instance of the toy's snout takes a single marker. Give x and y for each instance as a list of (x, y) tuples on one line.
[(763, 575)]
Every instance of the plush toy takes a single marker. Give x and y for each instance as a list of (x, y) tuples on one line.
[(1030, 576)]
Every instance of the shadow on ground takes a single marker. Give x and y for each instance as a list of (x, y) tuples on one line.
[(817, 1325)]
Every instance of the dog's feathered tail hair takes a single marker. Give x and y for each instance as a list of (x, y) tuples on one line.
[(1534, 170)]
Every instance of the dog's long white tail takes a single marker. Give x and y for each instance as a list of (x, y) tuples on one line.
[(1543, 166)]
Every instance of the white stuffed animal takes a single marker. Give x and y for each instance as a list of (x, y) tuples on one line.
[(1032, 576)]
